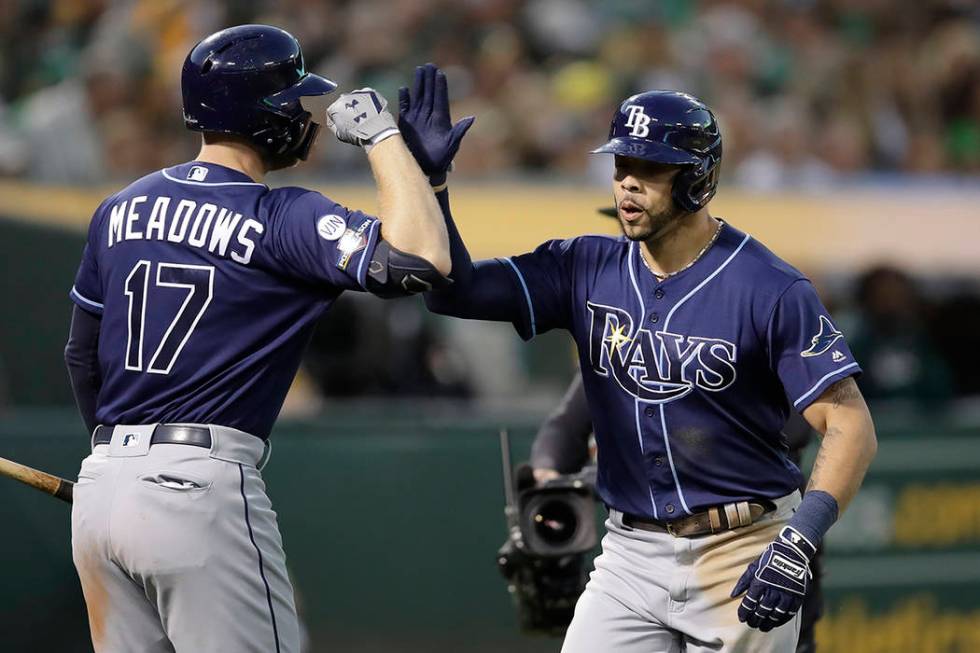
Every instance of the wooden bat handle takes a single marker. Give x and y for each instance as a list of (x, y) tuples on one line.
[(53, 485)]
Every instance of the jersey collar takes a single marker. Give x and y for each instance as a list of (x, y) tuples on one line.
[(201, 173)]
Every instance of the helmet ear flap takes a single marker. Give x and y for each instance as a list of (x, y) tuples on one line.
[(683, 191), (696, 185), (287, 142)]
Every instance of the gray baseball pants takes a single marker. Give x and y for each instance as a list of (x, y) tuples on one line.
[(652, 592), (178, 549)]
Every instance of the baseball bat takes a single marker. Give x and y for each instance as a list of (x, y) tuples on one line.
[(57, 487)]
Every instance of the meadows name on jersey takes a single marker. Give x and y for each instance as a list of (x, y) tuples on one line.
[(208, 286), (220, 230)]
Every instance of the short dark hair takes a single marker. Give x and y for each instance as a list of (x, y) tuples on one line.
[(212, 138), (271, 161)]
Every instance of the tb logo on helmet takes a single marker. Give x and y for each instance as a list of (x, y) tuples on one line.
[(638, 121)]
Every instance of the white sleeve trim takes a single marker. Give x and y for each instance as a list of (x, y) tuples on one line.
[(85, 299), (361, 270), (527, 296), (817, 385)]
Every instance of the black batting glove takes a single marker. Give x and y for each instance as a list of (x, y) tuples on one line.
[(425, 124), (776, 582)]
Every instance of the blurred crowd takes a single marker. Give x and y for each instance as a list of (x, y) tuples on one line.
[(809, 92), (916, 343)]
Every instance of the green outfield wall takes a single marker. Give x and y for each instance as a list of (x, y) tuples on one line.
[(391, 520)]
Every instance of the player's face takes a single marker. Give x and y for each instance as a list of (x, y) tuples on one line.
[(643, 201)]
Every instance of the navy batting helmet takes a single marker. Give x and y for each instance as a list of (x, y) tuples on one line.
[(672, 128), (248, 80)]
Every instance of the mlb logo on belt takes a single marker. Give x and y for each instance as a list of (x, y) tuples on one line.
[(131, 439)]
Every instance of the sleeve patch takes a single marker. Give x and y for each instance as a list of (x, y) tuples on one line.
[(351, 242), (824, 340), (331, 227)]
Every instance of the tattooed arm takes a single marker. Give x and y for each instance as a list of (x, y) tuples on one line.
[(848, 442), (775, 583)]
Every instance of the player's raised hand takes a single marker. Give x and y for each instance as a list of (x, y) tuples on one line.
[(428, 130), (775, 583), (361, 117)]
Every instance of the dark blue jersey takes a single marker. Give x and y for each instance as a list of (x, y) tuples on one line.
[(689, 380), (209, 285)]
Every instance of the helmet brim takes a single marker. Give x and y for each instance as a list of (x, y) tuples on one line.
[(309, 85), (639, 148)]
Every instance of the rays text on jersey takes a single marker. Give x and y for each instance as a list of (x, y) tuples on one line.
[(220, 230), (656, 366)]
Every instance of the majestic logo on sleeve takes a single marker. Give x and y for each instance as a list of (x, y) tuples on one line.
[(824, 339), (656, 366)]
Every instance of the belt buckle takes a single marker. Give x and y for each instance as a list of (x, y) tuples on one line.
[(670, 529)]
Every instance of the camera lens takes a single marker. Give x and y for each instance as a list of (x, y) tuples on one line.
[(555, 522)]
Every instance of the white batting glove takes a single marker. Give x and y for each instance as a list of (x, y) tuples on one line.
[(361, 118)]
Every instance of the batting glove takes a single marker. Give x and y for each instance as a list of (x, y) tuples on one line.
[(776, 581), (423, 117), (361, 118)]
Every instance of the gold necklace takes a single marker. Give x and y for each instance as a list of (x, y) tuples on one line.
[(711, 241)]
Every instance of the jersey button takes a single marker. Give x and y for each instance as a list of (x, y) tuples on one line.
[(669, 508), (658, 461), (649, 411), (659, 294), (654, 317)]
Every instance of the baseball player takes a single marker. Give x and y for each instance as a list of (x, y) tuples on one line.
[(695, 342), (561, 446), (197, 292)]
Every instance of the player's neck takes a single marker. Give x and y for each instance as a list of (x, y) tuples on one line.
[(235, 156), (669, 252)]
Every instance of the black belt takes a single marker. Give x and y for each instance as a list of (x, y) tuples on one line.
[(713, 520), (195, 436)]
